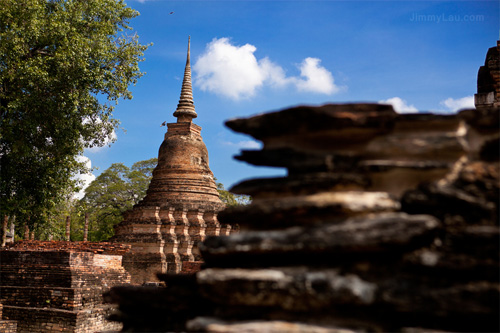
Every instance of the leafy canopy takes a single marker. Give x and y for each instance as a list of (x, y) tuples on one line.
[(231, 199), (63, 66), (113, 192)]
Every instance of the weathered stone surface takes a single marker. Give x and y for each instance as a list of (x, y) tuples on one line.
[(309, 209), (297, 161), (214, 325), (405, 150), (341, 138), (446, 280), (300, 290), (329, 121), (471, 196), (294, 289), (301, 185), (465, 254), (471, 299), (450, 204), (326, 244)]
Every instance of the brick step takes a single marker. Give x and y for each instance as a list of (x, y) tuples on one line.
[(52, 297)]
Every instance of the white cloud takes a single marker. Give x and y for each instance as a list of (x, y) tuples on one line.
[(229, 70), (317, 79), (274, 74), (249, 144), (85, 178), (234, 72), (454, 105), (399, 105)]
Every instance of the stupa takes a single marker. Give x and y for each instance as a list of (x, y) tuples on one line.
[(181, 205)]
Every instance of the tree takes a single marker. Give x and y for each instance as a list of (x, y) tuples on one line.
[(231, 199), (112, 193), (63, 66)]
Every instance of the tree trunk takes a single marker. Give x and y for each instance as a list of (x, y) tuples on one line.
[(86, 227), (13, 227), (68, 228), (4, 230), (32, 235), (26, 231)]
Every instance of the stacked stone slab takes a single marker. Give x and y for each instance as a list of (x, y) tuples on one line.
[(384, 223), (58, 286), (181, 205)]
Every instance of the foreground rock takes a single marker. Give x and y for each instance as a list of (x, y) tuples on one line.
[(341, 247), (385, 223)]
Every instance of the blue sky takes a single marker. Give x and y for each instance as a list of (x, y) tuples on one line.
[(250, 57)]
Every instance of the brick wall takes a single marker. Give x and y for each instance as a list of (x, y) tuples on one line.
[(58, 286), (191, 267)]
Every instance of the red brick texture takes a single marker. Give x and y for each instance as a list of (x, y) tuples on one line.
[(191, 267), (179, 210), (58, 286)]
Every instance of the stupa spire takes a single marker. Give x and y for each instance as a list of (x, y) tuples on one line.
[(185, 111)]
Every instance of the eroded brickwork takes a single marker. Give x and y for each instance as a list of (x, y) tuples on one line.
[(488, 80), (58, 286), (191, 267)]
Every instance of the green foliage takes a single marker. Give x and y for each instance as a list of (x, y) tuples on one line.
[(231, 199), (58, 60), (112, 193)]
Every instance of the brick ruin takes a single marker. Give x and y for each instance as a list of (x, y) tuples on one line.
[(181, 205), (58, 286), (385, 222), (488, 80)]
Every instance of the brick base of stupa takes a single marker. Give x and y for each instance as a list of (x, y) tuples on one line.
[(164, 240)]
